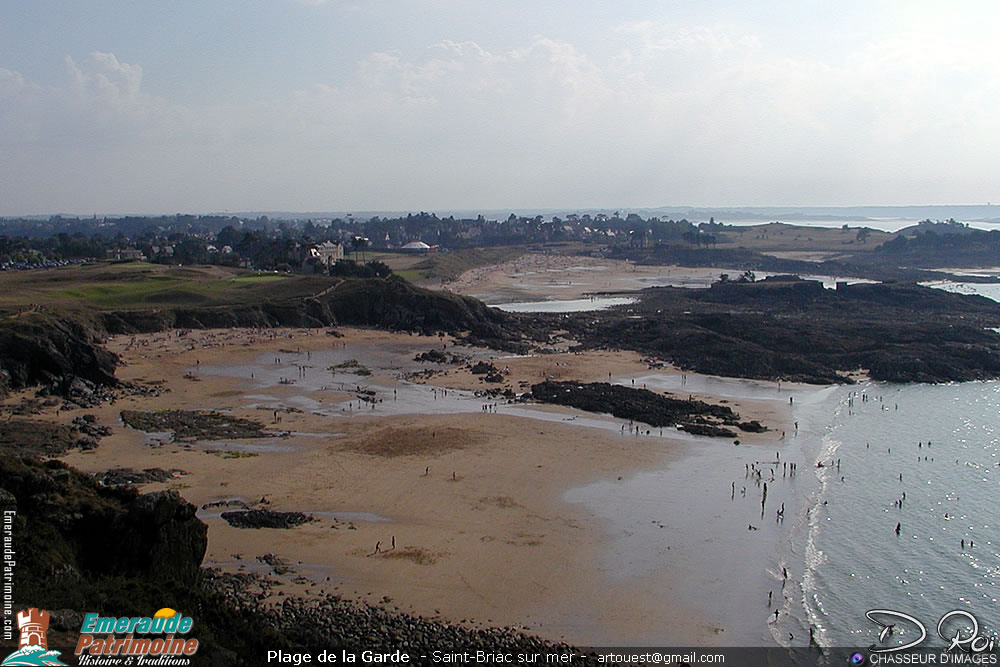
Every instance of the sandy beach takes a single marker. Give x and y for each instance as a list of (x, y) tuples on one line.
[(537, 276), (433, 501), (434, 495)]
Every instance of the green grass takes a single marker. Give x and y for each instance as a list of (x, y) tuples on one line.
[(413, 275), (135, 286), (257, 278)]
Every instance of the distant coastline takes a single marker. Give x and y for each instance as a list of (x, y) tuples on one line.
[(727, 214)]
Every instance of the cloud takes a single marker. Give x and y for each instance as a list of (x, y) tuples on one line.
[(11, 82), (118, 78), (707, 114), (655, 37)]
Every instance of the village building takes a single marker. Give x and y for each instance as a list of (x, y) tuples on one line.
[(129, 254), (415, 247), (327, 252)]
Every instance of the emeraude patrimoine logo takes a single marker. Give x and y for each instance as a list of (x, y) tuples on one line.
[(110, 639), (33, 648)]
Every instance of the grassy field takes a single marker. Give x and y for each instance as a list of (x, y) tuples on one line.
[(136, 285), (781, 239)]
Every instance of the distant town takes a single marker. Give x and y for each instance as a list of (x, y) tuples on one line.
[(311, 245)]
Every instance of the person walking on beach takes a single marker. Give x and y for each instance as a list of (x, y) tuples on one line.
[(898, 527)]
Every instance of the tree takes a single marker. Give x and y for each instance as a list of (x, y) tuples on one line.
[(229, 236), (358, 243)]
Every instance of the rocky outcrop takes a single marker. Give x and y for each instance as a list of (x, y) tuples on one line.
[(194, 424), (129, 476), (61, 352), (393, 303), (83, 547), (159, 536), (27, 436), (389, 303), (798, 331), (265, 519), (640, 405), (71, 523)]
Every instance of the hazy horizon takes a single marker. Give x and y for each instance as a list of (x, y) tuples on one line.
[(340, 105), (903, 212)]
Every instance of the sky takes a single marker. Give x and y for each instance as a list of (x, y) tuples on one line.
[(143, 106)]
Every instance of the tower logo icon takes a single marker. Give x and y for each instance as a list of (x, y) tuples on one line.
[(33, 624), (33, 648)]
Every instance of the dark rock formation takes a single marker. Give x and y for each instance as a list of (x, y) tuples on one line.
[(440, 357), (752, 427), (640, 405), (23, 436), (265, 519), (483, 368), (194, 425), (432, 356), (711, 430), (128, 476), (61, 352), (798, 331), (389, 303), (160, 537), (76, 523)]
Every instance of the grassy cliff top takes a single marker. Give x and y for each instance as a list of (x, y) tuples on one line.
[(135, 285)]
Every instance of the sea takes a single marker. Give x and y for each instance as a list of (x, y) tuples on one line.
[(921, 458), (901, 516)]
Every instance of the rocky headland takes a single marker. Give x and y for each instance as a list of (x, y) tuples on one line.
[(795, 330)]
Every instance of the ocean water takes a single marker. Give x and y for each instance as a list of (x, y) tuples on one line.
[(989, 290), (564, 305), (940, 446)]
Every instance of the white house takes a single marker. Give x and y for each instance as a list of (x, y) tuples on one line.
[(131, 254), (327, 252)]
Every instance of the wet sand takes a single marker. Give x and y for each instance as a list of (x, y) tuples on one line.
[(532, 516)]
